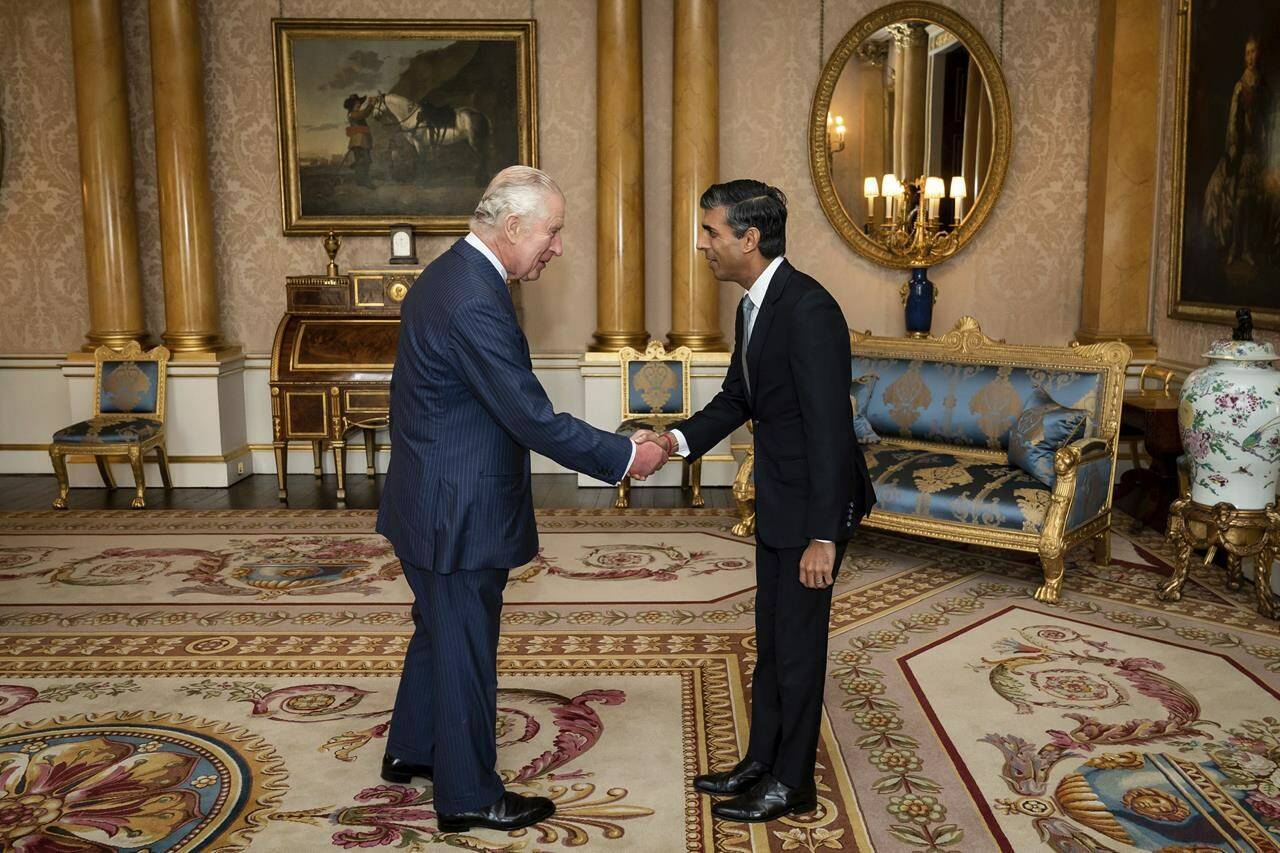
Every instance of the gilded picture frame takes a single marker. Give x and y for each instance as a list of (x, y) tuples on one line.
[(384, 122), (1224, 234)]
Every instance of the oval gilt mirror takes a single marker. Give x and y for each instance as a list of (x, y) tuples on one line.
[(910, 132)]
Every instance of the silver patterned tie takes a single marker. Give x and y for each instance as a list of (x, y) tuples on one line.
[(748, 311)]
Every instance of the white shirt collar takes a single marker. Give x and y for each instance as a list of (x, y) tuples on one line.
[(761, 285), (478, 244)]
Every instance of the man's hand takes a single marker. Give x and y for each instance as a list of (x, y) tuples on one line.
[(817, 564), (650, 457), (666, 440)]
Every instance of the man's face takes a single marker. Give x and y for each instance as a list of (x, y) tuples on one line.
[(1251, 54), (724, 252), (538, 241)]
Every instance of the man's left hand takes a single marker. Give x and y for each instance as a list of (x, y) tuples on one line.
[(818, 564)]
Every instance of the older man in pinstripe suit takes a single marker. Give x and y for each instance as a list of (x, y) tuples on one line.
[(465, 411)]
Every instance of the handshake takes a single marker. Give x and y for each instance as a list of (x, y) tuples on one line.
[(652, 452)]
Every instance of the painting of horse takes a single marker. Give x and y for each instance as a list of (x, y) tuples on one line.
[(384, 122)]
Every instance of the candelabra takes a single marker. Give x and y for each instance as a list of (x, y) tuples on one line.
[(916, 235)]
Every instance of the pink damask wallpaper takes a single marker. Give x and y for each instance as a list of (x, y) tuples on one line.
[(1031, 246)]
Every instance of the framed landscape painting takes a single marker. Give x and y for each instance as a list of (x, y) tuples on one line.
[(1225, 251), (386, 121)]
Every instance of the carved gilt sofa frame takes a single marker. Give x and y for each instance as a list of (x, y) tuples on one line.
[(1085, 468)]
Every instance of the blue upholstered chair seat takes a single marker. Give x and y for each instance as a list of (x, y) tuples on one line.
[(109, 430), (960, 489)]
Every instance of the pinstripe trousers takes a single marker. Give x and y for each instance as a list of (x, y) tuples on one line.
[(446, 706)]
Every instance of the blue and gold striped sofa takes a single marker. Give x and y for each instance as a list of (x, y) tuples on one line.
[(944, 408)]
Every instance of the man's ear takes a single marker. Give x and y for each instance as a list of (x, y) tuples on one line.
[(511, 227), (751, 240)]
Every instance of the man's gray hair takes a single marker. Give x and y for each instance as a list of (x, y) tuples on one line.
[(516, 190)]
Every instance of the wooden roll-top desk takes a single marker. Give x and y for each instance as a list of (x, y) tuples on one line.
[(331, 364)]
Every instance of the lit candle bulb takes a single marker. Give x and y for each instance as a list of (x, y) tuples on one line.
[(839, 130), (933, 191), (891, 188), (959, 192), (869, 191)]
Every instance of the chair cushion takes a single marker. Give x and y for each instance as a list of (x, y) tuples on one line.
[(859, 396), (1043, 427), (129, 387), (962, 489), (109, 431)]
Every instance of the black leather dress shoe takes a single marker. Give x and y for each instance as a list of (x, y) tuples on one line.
[(768, 799), (511, 811), (744, 774), (402, 772)]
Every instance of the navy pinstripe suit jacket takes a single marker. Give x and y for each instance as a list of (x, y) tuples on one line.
[(465, 411)]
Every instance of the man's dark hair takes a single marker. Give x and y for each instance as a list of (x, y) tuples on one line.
[(752, 204)]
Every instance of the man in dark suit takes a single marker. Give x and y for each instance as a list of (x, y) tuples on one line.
[(466, 409), (790, 377)]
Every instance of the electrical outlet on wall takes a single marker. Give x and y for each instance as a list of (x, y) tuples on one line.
[(239, 467)]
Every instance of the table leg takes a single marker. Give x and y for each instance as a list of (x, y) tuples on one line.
[(282, 469), (340, 467)]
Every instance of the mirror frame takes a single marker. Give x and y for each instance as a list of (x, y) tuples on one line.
[(1002, 124)]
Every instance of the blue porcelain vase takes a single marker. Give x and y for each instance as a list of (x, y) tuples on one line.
[(919, 302)]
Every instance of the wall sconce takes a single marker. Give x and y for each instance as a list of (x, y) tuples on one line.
[(835, 135), (870, 189)]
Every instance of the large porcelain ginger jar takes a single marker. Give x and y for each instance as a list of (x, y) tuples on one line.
[(1229, 417)]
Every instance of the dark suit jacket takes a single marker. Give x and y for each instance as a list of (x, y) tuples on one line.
[(811, 479), (465, 411)]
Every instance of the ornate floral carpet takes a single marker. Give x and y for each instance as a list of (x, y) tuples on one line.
[(223, 680)]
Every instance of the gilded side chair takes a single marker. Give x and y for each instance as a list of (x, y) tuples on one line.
[(655, 395), (128, 419)]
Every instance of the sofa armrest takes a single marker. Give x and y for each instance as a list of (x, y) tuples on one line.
[(1080, 452), (1084, 470)]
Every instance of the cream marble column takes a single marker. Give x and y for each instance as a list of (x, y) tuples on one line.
[(182, 168), (695, 165), (1124, 150), (106, 176), (619, 178)]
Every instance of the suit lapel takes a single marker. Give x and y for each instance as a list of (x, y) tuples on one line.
[(764, 322)]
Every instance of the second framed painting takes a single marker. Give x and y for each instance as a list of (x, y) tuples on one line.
[(387, 121), (1225, 241)]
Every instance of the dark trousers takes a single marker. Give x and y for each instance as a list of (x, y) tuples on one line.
[(791, 670), (447, 702)]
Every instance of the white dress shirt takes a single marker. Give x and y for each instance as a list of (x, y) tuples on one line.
[(478, 244)]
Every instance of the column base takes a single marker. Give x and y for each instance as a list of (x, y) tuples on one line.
[(117, 340), (1143, 346), (206, 343), (614, 341), (698, 341)]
